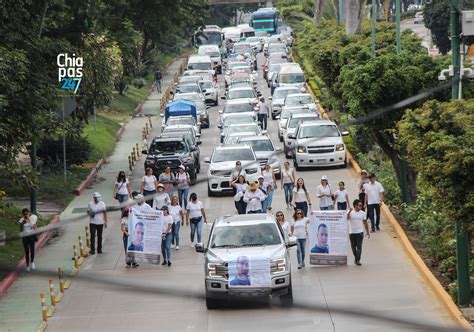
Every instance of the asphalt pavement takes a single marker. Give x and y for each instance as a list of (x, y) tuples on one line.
[(105, 296)]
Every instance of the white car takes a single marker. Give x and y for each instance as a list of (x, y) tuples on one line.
[(222, 162), (265, 151), (286, 112), (256, 43), (290, 131), (242, 127), (300, 99), (418, 18), (211, 91), (201, 108), (319, 144), (244, 93), (278, 98), (238, 107)]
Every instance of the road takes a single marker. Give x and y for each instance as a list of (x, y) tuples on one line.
[(420, 30), (156, 298)]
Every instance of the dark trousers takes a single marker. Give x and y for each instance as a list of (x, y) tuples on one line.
[(302, 206), (256, 211), (29, 246), (262, 118), (373, 213), (342, 206), (96, 229), (356, 244), (121, 199), (241, 206), (362, 200), (128, 260), (146, 193)]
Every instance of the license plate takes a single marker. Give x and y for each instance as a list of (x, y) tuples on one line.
[(320, 161)]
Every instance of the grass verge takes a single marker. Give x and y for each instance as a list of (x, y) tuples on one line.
[(103, 140)]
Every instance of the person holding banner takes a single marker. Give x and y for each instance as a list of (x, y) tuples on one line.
[(197, 215), (357, 218), (301, 199), (178, 218), (298, 229), (166, 236), (141, 206), (321, 246), (324, 193), (129, 261), (341, 198)]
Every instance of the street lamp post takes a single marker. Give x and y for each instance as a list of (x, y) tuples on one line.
[(374, 22), (397, 16)]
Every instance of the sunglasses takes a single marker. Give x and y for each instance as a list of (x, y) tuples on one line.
[(279, 215), (299, 213), (359, 204)]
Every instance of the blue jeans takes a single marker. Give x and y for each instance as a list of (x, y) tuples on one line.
[(196, 227), (288, 189), (175, 233), (268, 201), (166, 247), (149, 200), (373, 213), (128, 260), (183, 197), (302, 206), (326, 208), (342, 206), (121, 199), (300, 250), (262, 118)]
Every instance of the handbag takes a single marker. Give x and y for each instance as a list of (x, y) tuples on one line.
[(195, 220), (116, 194)]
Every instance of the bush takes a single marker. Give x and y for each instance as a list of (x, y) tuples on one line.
[(139, 82), (77, 152)]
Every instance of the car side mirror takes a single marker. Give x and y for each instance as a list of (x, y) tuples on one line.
[(199, 247), (345, 133), (207, 160), (291, 241), (277, 117), (199, 142), (144, 152), (259, 93), (221, 111), (219, 126), (293, 136), (270, 98)]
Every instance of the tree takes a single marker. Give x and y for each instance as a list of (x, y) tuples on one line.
[(436, 18), (354, 13)]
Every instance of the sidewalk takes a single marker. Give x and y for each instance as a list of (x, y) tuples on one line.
[(20, 308)]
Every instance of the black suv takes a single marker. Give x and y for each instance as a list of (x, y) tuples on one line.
[(172, 152)]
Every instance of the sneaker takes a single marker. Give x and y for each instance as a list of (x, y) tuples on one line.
[(134, 265), (92, 252), (27, 269), (299, 267), (33, 266), (169, 263), (192, 245), (358, 263), (177, 247), (164, 263), (99, 252), (303, 265), (377, 227), (128, 265), (172, 246)]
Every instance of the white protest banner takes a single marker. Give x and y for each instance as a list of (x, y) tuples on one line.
[(248, 271), (328, 238), (144, 239)]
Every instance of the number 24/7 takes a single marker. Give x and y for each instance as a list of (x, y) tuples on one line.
[(71, 84)]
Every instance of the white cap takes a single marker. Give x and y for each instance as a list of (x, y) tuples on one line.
[(140, 198), (324, 177), (261, 177), (182, 167), (96, 195)]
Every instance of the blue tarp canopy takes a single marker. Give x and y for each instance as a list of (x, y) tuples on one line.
[(180, 107)]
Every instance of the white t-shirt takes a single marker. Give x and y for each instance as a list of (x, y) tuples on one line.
[(361, 183), (149, 182), (299, 228), (124, 221), (286, 227), (254, 199), (341, 196), (264, 109), (98, 209), (267, 177), (122, 187), (300, 196), (236, 173), (356, 222), (161, 200), (182, 180), (167, 220), (141, 208), (241, 187), (195, 209), (175, 212), (373, 192), (324, 200), (287, 175), (26, 227)]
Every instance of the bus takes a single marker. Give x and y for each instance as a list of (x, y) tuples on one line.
[(265, 19), (210, 35)]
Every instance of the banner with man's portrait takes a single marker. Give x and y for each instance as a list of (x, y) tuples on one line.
[(249, 271), (328, 238), (144, 235)]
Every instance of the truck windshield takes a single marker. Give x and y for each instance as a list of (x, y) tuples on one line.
[(168, 147), (200, 66), (318, 131), (245, 235), (298, 100), (232, 155), (291, 78)]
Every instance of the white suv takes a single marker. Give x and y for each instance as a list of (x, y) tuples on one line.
[(247, 257), (319, 144), (222, 162)]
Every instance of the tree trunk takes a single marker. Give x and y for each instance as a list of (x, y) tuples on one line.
[(394, 156), (354, 12), (318, 11)]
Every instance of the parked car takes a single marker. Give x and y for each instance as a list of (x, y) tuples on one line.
[(243, 238), (243, 127), (300, 99), (184, 120), (242, 107)]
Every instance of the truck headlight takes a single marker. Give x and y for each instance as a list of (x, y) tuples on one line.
[(339, 147), (251, 170), (280, 265), (211, 270), (301, 149)]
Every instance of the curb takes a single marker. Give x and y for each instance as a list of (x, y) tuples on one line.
[(6, 283), (415, 258), (119, 133), (79, 189)]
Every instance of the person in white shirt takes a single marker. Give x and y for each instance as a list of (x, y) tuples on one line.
[(183, 180), (122, 190), (161, 198), (301, 199), (28, 224), (374, 195), (240, 187), (263, 113), (254, 198), (285, 225), (149, 186), (360, 185), (129, 261), (341, 198), (269, 180), (324, 193), (140, 205), (357, 220), (288, 181), (195, 214), (97, 212), (298, 229), (178, 218), (166, 236)]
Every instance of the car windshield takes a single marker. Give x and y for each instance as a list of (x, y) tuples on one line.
[(261, 145), (190, 79), (245, 235), (238, 120), (291, 78), (206, 84), (240, 79), (237, 64), (276, 48), (168, 147), (240, 85), (285, 114), (232, 155), (214, 54), (200, 66), (241, 70), (294, 122), (238, 108), (174, 132), (177, 121), (274, 67), (298, 100), (242, 49), (235, 94), (318, 131), (282, 93), (253, 39), (251, 128), (188, 88)]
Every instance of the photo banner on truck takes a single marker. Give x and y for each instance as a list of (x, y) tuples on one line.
[(328, 238), (248, 271)]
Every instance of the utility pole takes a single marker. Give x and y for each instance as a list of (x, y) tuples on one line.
[(374, 22), (341, 15), (462, 243), (397, 16)]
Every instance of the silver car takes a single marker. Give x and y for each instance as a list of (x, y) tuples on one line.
[(278, 98), (265, 151), (246, 240), (290, 131)]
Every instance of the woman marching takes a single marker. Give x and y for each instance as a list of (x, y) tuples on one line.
[(122, 190), (324, 193), (285, 225), (149, 186), (298, 229), (28, 224), (240, 187), (197, 215), (178, 218), (287, 182), (301, 199), (167, 179), (166, 236), (270, 181)]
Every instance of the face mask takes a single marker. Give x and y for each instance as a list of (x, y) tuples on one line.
[(96, 199), (160, 189), (238, 167)]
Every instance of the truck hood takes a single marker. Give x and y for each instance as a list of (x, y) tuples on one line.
[(226, 254), (317, 141)]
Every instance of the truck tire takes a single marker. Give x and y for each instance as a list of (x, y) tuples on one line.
[(193, 178), (286, 300), (210, 193)]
